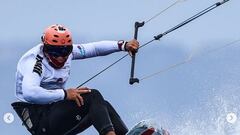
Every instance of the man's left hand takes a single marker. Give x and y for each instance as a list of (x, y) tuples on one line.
[(132, 46)]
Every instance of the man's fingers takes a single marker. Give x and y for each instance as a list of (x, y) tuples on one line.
[(135, 42), (83, 88), (133, 49), (130, 53), (132, 46), (83, 91), (80, 99)]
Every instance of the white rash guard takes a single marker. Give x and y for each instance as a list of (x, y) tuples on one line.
[(39, 83)]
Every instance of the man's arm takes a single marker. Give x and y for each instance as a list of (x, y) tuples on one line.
[(102, 48), (30, 86), (33, 93)]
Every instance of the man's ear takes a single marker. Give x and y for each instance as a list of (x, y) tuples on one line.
[(42, 38)]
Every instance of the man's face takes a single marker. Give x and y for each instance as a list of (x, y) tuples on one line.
[(56, 62), (60, 59), (57, 55)]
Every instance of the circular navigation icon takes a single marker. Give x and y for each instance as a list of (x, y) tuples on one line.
[(231, 118), (8, 118)]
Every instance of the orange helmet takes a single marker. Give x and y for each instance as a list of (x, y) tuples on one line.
[(57, 42), (57, 35)]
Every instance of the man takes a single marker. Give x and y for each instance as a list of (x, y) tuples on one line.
[(46, 107)]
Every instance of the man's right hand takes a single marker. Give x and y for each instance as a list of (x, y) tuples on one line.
[(75, 94)]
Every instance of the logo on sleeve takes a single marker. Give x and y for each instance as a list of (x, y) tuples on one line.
[(38, 65), (81, 50)]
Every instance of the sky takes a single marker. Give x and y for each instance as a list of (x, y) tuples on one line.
[(190, 99)]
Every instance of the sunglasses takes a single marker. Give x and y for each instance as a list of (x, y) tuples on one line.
[(58, 51)]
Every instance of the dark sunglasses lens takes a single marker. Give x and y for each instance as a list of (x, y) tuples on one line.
[(54, 54), (58, 51)]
